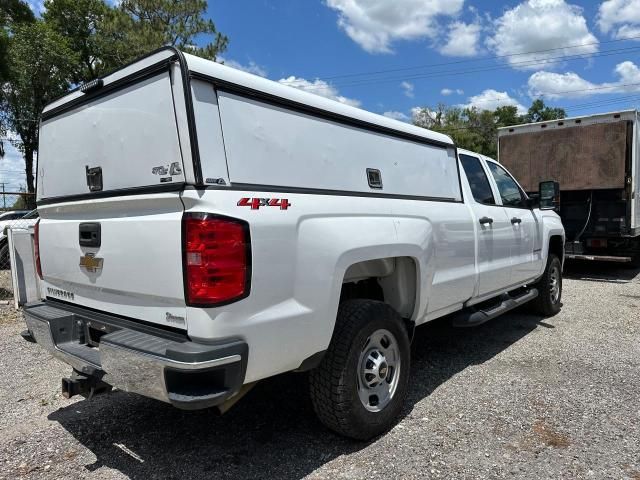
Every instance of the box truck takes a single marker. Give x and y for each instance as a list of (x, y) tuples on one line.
[(595, 160)]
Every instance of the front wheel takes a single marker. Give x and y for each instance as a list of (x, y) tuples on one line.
[(359, 388), (548, 303)]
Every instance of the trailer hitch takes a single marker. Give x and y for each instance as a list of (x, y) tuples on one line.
[(86, 385)]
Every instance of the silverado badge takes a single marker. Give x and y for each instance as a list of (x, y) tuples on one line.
[(91, 262)]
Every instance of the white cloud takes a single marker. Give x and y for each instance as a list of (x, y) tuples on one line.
[(12, 165), (491, 99), (536, 25), (396, 116), (319, 87), (620, 18), (448, 91), (252, 67), (376, 24), (547, 83), (571, 85), (407, 89), (463, 40)]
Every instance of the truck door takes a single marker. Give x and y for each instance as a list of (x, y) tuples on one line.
[(493, 226), (526, 257)]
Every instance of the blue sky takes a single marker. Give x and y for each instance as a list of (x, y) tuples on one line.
[(391, 56), (584, 64)]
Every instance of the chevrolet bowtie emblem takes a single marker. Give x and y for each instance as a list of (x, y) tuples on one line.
[(91, 262)]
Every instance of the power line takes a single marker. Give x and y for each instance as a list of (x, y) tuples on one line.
[(489, 68), (457, 62)]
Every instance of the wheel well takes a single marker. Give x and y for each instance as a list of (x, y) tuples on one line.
[(390, 280), (556, 247)]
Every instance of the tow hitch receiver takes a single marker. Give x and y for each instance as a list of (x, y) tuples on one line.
[(87, 386)]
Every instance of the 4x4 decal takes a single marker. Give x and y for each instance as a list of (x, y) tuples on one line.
[(256, 203)]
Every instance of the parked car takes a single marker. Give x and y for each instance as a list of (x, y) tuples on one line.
[(19, 219), (13, 215), (203, 229)]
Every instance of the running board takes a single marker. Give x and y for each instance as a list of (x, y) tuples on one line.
[(473, 317), (600, 258)]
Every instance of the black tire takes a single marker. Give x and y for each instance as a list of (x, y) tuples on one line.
[(547, 304), (4, 257), (334, 384)]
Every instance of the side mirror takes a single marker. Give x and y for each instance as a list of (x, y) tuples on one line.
[(549, 195), (532, 201)]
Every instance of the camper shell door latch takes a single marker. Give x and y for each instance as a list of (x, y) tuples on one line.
[(94, 178)]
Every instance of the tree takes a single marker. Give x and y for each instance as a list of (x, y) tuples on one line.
[(539, 112), (79, 22), (106, 37), (169, 22), (11, 12), (78, 40), (41, 64), (469, 128), (507, 115), (477, 130)]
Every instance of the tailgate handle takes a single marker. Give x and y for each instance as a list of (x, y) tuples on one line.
[(90, 234)]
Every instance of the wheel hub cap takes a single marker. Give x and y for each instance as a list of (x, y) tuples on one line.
[(554, 285), (378, 370)]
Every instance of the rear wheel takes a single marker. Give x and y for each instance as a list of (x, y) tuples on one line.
[(548, 302), (4, 257), (359, 388)]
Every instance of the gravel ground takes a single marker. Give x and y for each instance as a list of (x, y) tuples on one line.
[(6, 289), (519, 397)]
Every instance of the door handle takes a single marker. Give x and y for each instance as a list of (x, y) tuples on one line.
[(485, 220), (515, 220)]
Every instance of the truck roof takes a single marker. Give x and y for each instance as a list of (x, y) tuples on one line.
[(225, 75), (570, 122)]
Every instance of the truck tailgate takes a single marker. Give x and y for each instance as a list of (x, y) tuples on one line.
[(137, 269)]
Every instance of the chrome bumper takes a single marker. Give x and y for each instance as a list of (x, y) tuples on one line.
[(140, 359)]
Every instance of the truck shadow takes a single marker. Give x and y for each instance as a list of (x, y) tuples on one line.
[(600, 272), (272, 432)]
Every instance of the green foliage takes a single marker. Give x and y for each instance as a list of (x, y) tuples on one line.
[(12, 12), (78, 40), (106, 38), (539, 112), (477, 130), (79, 22), (170, 22), (41, 63)]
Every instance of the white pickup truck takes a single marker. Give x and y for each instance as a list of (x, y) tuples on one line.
[(202, 229)]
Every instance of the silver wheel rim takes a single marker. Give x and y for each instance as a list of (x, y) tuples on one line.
[(378, 370), (554, 285)]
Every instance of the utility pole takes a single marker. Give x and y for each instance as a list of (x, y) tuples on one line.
[(4, 198)]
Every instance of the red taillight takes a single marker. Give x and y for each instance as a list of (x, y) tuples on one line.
[(36, 247), (216, 259)]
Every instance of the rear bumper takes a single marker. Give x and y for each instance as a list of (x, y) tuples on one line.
[(138, 358)]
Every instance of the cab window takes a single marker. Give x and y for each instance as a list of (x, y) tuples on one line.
[(480, 187), (509, 190)]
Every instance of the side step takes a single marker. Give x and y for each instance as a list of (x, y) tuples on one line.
[(600, 258), (473, 317)]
